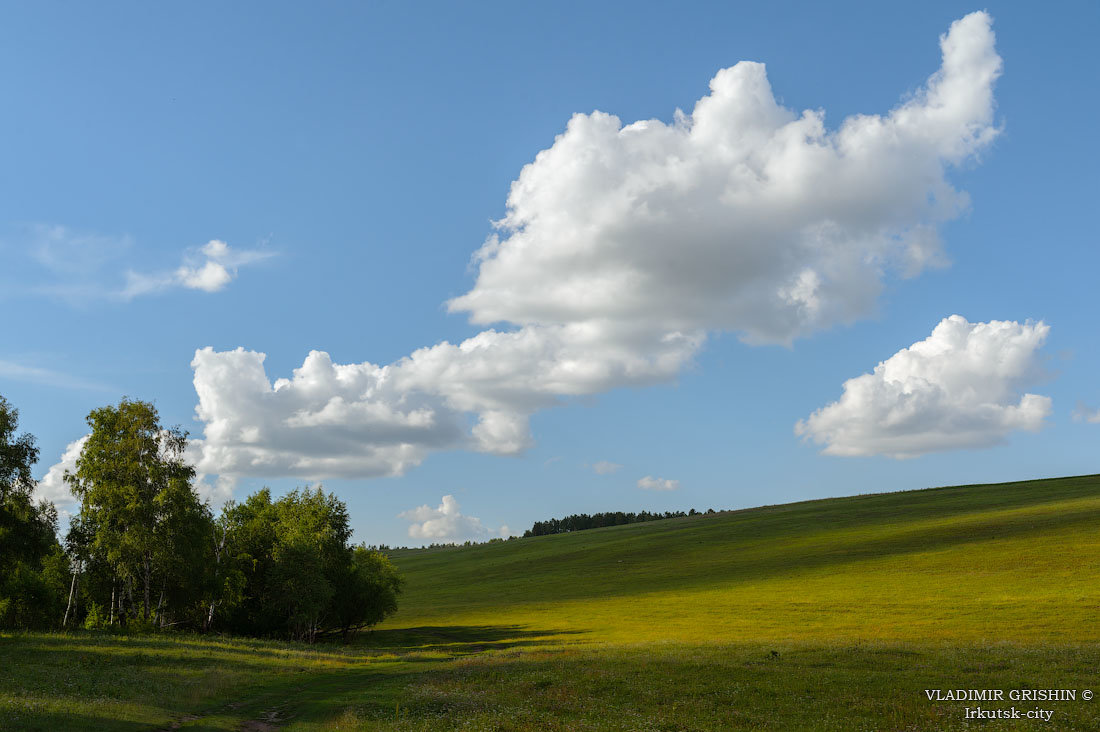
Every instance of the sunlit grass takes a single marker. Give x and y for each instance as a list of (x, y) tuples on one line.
[(831, 615), (1018, 562)]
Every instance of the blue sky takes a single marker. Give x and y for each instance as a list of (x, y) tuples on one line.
[(352, 157)]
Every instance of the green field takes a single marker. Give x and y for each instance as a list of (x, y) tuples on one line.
[(832, 615)]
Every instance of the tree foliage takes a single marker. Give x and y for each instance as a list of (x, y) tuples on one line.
[(145, 552), (302, 578), (27, 532), (137, 501), (582, 521)]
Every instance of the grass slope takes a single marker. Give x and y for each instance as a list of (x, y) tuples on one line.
[(822, 615), (1015, 561)]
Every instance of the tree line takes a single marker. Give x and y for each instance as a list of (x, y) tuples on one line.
[(582, 521), (144, 552)]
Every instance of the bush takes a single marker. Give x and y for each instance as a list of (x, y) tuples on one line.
[(94, 620)]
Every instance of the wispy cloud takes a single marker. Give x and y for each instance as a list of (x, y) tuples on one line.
[(48, 377), (1085, 413), (210, 269), (85, 266), (605, 467), (67, 252)]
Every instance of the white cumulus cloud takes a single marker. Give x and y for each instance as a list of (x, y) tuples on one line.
[(365, 420), (622, 246), (445, 523), (744, 215), (959, 388), (52, 486), (649, 483), (605, 467)]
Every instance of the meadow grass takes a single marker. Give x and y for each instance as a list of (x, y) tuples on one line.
[(821, 615)]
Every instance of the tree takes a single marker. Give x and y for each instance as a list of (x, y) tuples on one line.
[(27, 532), (301, 577), (294, 551), (138, 505), (367, 594), (224, 587)]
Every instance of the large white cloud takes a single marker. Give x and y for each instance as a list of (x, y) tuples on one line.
[(621, 247), (959, 388), (363, 420), (445, 523), (742, 216)]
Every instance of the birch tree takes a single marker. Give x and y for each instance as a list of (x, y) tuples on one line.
[(135, 490)]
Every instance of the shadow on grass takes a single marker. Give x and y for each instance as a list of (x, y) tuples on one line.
[(195, 647), (217, 685), (749, 548), (57, 721), (461, 639)]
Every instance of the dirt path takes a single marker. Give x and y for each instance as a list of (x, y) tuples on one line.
[(268, 722)]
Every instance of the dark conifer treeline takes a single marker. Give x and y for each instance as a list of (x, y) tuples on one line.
[(582, 521), (146, 553)]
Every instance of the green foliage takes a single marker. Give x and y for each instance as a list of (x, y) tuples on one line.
[(583, 521), (96, 619), (301, 578), (28, 599), (146, 553), (369, 591), (17, 454), (139, 512)]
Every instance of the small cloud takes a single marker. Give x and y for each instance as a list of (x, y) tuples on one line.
[(211, 270), (505, 532), (1085, 413), (445, 523), (606, 467), (211, 277), (649, 483)]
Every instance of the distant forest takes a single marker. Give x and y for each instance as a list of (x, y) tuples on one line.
[(582, 521)]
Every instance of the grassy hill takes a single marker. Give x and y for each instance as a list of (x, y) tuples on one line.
[(822, 615), (1012, 561)]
